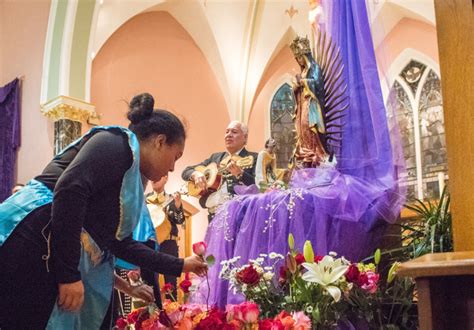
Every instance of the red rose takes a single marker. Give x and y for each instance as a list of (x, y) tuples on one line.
[(167, 288), (352, 274), (269, 324), (215, 312), (133, 316), (283, 273), (283, 314), (185, 285), (299, 258), (143, 316), (121, 323), (165, 319), (230, 326), (248, 275), (318, 258), (363, 279), (212, 322)]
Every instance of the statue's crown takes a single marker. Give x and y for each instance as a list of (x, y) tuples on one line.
[(300, 46)]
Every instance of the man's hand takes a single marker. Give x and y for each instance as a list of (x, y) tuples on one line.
[(199, 180), (177, 199), (71, 296), (234, 169), (195, 264)]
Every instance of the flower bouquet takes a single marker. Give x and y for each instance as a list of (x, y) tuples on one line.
[(318, 287)]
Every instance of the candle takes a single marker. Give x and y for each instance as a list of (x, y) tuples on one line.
[(440, 182)]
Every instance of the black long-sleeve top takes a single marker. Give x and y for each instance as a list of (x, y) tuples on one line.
[(86, 181)]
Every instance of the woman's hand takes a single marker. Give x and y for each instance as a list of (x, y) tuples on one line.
[(195, 264), (71, 296), (143, 292)]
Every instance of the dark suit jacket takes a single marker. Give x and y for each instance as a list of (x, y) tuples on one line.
[(248, 177)]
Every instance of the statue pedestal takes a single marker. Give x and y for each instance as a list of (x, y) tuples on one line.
[(445, 284)]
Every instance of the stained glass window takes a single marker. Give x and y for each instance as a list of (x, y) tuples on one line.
[(282, 126), (426, 161), (433, 140), (399, 106)]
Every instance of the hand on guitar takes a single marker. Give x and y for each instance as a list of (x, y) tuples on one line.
[(199, 180), (234, 169), (177, 199)]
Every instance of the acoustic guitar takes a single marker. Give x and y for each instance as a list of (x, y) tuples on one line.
[(214, 174), (160, 222)]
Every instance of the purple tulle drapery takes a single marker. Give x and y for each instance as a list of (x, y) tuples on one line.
[(9, 135), (344, 209)]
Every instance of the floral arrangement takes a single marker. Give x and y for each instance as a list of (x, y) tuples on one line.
[(191, 316), (296, 291), (321, 288)]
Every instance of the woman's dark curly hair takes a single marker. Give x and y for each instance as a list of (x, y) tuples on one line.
[(146, 122)]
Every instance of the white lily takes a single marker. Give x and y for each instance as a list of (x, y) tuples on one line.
[(325, 273)]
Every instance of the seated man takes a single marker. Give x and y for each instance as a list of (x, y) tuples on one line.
[(237, 166)]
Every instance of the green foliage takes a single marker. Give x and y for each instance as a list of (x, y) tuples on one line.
[(432, 232)]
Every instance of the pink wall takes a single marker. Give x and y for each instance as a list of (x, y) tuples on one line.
[(282, 67), (23, 31), (152, 52), (408, 33)]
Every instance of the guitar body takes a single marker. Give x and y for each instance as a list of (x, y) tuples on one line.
[(213, 179), (160, 222), (213, 173)]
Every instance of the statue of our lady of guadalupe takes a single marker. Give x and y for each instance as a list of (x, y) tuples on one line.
[(318, 103)]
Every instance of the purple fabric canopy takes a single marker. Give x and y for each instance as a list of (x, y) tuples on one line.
[(9, 135), (343, 209)]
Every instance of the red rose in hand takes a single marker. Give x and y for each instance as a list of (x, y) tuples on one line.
[(299, 258), (121, 323), (200, 248), (167, 288), (248, 275), (352, 274)]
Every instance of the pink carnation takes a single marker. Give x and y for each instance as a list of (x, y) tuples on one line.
[(372, 281), (302, 322)]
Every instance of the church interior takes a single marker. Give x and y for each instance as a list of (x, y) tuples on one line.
[(229, 67)]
